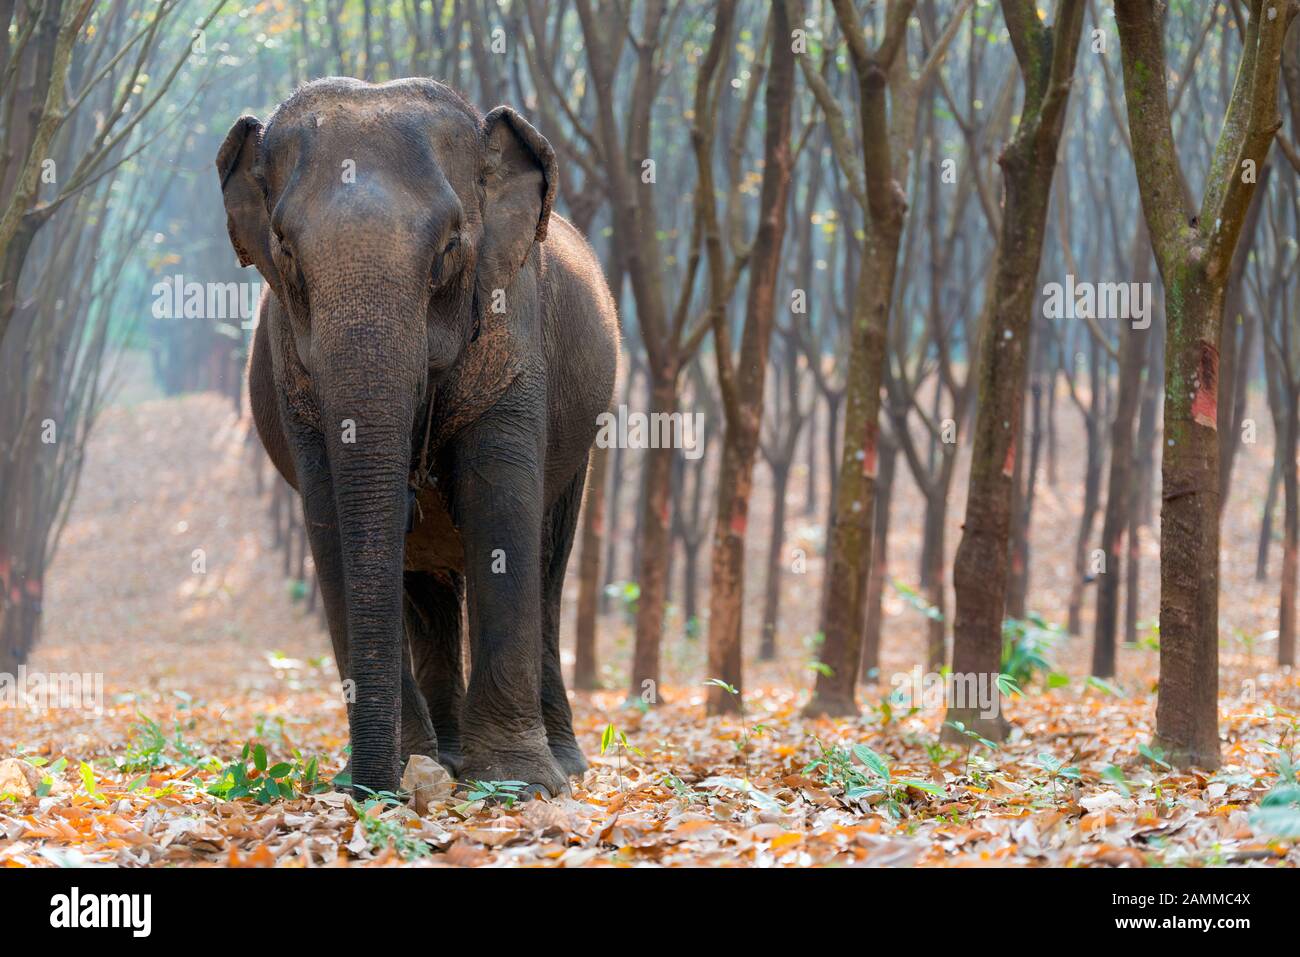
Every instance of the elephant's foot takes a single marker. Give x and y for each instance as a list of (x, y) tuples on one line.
[(343, 782), (452, 759), (427, 747), (569, 757), (529, 760)]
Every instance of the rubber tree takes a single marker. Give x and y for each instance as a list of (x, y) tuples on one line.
[(742, 378), (888, 93), (1046, 57), (1194, 252)]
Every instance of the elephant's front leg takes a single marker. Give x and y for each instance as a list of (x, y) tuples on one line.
[(497, 505), (319, 514)]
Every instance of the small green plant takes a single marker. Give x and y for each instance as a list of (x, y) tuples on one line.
[(1155, 755), (47, 779), (503, 792), (1278, 814), (1103, 686), (1115, 775), (628, 595), (1008, 686), (1252, 642), (388, 832), (886, 711), (916, 600), (88, 781), (743, 744), (269, 729), (871, 779), (938, 752), (614, 738), (1056, 770), (974, 739), (265, 782), (685, 793), (148, 747), (1025, 646)]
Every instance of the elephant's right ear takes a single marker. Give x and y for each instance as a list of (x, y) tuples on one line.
[(247, 220)]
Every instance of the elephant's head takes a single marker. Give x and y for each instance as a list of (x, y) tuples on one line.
[(383, 218)]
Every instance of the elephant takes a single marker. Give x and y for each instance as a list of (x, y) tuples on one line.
[(433, 349)]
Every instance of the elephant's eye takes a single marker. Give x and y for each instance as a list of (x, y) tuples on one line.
[(447, 264)]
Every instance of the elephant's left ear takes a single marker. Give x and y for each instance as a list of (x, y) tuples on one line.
[(520, 181), (247, 220)]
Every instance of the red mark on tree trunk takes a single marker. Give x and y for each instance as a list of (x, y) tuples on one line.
[(1009, 463), (739, 522), (1205, 404), (869, 453)]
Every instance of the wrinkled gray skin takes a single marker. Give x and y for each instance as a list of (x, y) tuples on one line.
[(420, 284)]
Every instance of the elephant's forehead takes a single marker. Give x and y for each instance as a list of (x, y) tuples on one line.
[(365, 109), (412, 134)]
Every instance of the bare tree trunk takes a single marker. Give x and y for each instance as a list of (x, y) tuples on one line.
[(652, 578), (1091, 493), (1119, 515), (775, 548), (1195, 255), (593, 531), (1290, 439), (619, 470), (1266, 517), (1022, 505), (1028, 165), (933, 577), (810, 503), (879, 573), (1118, 500), (743, 384), (1235, 343)]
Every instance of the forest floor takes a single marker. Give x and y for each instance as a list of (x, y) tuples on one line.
[(209, 678)]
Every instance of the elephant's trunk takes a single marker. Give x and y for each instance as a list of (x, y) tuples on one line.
[(369, 389)]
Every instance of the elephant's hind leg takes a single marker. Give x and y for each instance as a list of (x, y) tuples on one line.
[(433, 630), (557, 541)]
